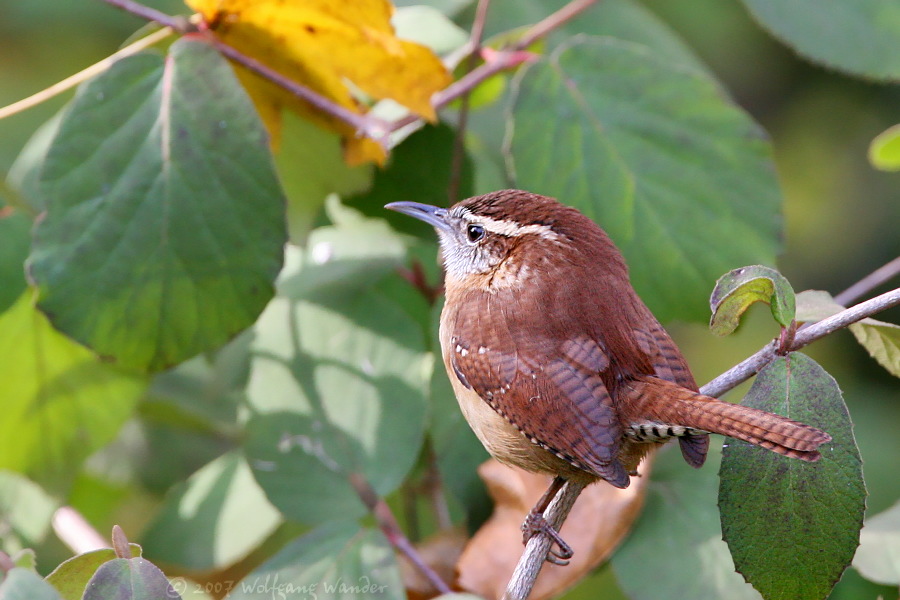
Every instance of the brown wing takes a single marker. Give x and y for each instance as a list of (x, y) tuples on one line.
[(669, 364), (548, 389)]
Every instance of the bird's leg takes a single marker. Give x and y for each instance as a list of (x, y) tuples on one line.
[(535, 523)]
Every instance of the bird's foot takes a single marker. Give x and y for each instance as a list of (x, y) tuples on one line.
[(536, 524)]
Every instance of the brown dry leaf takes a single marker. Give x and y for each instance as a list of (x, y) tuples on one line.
[(323, 44), (600, 519)]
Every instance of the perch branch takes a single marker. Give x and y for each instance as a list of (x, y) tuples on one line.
[(529, 566)]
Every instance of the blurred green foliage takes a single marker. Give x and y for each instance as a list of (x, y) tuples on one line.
[(840, 222)]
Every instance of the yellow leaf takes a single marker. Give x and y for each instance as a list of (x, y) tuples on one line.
[(323, 45)]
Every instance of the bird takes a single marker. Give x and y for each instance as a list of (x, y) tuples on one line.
[(558, 366)]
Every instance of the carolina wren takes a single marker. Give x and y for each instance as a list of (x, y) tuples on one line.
[(557, 365)]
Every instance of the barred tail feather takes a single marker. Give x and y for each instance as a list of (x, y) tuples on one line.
[(681, 406)]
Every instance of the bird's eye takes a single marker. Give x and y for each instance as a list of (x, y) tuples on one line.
[(474, 233)]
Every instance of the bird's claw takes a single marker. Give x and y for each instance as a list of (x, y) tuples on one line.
[(536, 524)]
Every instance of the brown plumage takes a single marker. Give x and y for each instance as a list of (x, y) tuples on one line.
[(557, 364)]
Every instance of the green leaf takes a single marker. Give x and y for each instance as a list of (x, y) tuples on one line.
[(129, 579), (60, 403), (736, 290), (164, 222), (15, 231), (881, 340), (25, 584), (428, 26), (884, 151), (213, 520), (189, 416), (71, 577), (311, 166), (650, 150), (341, 260), (793, 526), (859, 37), (24, 173), (26, 511), (623, 19), (338, 560), (677, 538), (878, 555), (815, 305), (336, 390), (631, 21), (25, 558)]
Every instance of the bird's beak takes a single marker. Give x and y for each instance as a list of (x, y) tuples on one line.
[(433, 215)]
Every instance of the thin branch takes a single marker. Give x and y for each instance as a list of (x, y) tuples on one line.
[(417, 278), (179, 24), (367, 125), (85, 74), (552, 22), (869, 282), (392, 531), (805, 336), (459, 139), (502, 60), (510, 57)]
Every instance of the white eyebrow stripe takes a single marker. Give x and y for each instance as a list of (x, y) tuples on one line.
[(510, 228)]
